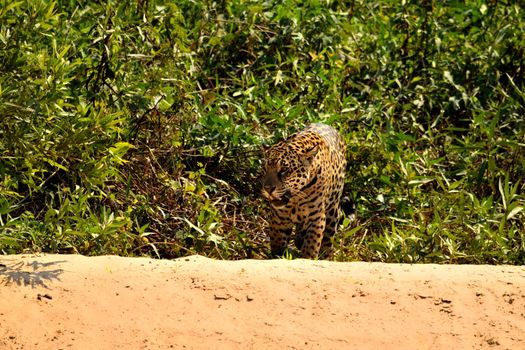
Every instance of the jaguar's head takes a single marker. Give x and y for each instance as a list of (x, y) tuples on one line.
[(287, 171)]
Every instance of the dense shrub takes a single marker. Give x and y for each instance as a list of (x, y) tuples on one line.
[(135, 128)]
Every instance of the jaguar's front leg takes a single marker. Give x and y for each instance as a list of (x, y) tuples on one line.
[(280, 232), (313, 236)]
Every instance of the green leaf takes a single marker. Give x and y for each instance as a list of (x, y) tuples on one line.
[(514, 212), (351, 232), (9, 6)]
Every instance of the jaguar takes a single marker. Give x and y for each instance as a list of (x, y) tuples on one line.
[(302, 180)]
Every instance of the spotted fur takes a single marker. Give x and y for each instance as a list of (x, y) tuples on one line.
[(303, 182)]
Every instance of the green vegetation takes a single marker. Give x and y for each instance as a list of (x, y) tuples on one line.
[(135, 127)]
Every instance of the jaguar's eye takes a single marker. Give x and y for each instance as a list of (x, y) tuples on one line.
[(283, 173)]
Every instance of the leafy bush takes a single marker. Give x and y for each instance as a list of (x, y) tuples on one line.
[(135, 128)]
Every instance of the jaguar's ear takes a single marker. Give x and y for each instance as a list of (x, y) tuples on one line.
[(312, 152), (265, 148), (309, 155)]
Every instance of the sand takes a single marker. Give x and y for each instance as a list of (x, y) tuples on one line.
[(108, 302)]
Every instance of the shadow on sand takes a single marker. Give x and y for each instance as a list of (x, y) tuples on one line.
[(34, 273)]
